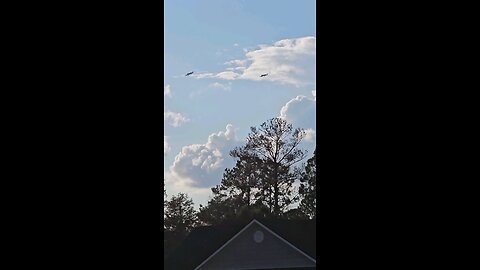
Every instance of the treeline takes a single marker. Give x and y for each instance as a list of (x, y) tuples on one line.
[(259, 185)]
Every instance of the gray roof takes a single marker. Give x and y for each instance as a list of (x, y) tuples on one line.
[(204, 241)]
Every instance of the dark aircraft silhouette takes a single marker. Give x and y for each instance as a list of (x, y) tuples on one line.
[(263, 75), (190, 73)]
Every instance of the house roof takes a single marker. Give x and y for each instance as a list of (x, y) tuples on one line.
[(204, 241)]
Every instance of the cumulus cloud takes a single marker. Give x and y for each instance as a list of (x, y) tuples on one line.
[(174, 185), (300, 112), (202, 165), (288, 61), (166, 146), (174, 119), (167, 91)]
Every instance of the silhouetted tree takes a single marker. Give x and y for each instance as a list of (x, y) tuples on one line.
[(256, 210), (180, 216), (222, 208), (235, 194), (275, 144), (241, 182), (219, 208), (295, 213), (308, 188), (239, 195)]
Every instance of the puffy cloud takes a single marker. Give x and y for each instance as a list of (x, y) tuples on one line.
[(300, 112), (202, 165), (167, 91), (166, 146), (174, 184), (174, 119), (288, 61)]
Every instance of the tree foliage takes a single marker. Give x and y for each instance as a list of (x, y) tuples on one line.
[(219, 209), (308, 188), (180, 216), (276, 144), (179, 219), (260, 183)]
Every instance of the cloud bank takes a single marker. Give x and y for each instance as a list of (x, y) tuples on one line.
[(288, 61), (201, 166)]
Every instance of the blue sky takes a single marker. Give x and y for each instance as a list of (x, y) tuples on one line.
[(228, 44)]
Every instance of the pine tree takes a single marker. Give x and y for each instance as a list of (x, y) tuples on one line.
[(236, 196), (241, 182), (308, 188), (276, 144), (219, 209), (180, 216)]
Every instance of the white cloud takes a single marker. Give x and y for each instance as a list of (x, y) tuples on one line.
[(218, 85), (174, 185), (227, 75), (166, 146), (174, 119), (310, 135), (314, 94), (203, 75), (202, 165), (240, 63), (167, 91), (301, 113), (288, 61)]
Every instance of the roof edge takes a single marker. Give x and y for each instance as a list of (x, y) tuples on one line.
[(281, 238), (242, 230)]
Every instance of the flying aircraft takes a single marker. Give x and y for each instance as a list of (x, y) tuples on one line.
[(263, 75), (190, 73)]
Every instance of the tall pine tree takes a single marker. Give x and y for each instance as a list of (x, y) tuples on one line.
[(276, 144), (236, 196)]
